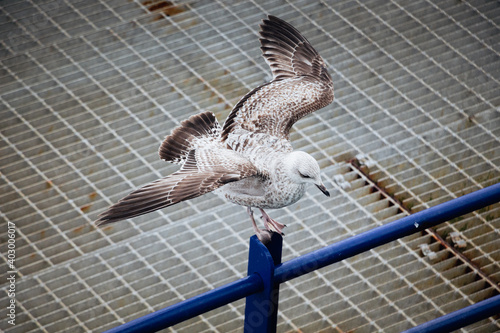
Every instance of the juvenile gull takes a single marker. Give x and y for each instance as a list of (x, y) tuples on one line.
[(249, 161)]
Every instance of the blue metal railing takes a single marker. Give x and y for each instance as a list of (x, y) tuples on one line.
[(460, 318), (266, 273)]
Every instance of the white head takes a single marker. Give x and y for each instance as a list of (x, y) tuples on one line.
[(302, 168)]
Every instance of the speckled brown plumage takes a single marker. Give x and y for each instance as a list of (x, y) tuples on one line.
[(301, 84), (249, 161), (206, 164)]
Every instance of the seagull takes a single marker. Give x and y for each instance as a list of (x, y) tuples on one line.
[(248, 161)]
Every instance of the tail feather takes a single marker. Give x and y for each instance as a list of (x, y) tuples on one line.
[(193, 132)]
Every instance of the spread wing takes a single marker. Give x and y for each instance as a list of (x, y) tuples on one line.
[(301, 84), (203, 171)]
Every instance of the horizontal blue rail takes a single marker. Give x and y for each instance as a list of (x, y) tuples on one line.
[(387, 233), (194, 306), (460, 318), (328, 255)]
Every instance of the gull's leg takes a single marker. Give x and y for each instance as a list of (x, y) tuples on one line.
[(272, 224), (264, 235)]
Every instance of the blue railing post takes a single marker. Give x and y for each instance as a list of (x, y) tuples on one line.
[(261, 309)]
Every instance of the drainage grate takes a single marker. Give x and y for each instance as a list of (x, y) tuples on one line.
[(90, 88)]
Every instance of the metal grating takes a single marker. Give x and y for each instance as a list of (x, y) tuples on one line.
[(90, 88)]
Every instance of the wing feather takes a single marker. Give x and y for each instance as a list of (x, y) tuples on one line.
[(187, 183), (301, 84)]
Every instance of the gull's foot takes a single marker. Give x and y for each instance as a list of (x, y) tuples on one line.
[(270, 224), (264, 235)]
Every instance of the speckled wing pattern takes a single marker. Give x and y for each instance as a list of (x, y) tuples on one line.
[(206, 164), (301, 84), (258, 126)]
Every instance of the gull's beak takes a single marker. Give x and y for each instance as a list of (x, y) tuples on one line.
[(322, 188)]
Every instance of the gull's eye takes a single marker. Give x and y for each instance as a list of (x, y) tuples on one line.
[(303, 176)]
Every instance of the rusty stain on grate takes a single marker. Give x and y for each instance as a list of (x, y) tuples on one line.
[(463, 259), (167, 8)]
